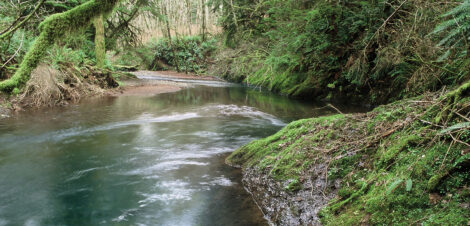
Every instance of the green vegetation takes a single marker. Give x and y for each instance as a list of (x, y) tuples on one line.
[(368, 51), (192, 54), (395, 165), (402, 163), (51, 30)]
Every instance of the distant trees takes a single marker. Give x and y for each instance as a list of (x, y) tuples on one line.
[(188, 17)]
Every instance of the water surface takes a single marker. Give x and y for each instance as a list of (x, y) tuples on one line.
[(138, 160)]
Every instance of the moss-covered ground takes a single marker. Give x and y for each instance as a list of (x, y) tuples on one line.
[(405, 163)]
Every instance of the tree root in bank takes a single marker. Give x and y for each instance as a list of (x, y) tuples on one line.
[(51, 87)]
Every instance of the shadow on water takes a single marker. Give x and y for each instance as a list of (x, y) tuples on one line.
[(138, 160)]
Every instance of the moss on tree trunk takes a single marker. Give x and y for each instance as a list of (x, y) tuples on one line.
[(53, 28), (100, 45)]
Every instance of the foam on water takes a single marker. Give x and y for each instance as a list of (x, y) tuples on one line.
[(243, 111), (221, 181), (177, 190)]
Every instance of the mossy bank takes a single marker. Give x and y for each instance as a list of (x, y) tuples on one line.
[(404, 163)]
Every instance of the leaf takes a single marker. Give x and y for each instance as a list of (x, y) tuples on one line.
[(455, 127), (393, 186), (462, 159), (409, 184)]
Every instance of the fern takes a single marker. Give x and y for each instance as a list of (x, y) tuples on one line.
[(457, 26)]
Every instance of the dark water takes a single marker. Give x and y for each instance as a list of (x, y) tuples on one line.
[(137, 160)]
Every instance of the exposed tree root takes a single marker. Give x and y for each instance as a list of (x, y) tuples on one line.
[(50, 87)]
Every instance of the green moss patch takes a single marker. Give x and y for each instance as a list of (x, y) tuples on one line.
[(396, 165)]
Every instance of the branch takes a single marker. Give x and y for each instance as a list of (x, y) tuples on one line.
[(10, 31), (14, 55)]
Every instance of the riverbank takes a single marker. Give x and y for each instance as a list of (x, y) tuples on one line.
[(402, 163), (148, 83), (4, 111), (93, 83)]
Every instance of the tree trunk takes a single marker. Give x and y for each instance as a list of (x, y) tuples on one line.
[(100, 45), (203, 5), (188, 4), (175, 57)]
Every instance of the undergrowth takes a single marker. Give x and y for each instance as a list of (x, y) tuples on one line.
[(367, 51), (192, 54)]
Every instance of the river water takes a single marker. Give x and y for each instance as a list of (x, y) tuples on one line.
[(138, 160)]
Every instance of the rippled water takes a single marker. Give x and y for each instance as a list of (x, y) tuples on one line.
[(137, 160)]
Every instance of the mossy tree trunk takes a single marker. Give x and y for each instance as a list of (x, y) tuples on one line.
[(53, 28), (100, 45)]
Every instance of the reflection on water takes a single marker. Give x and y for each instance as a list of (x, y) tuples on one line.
[(137, 160)]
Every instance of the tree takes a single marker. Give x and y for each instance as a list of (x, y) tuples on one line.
[(165, 12), (52, 29), (100, 44)]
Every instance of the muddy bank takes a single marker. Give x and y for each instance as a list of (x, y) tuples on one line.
[(177, 75), (148, 83), (145, 90)]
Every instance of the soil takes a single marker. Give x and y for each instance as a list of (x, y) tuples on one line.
[(144, 90), (144, 87), (178, 75)]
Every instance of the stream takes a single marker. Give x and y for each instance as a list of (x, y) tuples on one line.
[(131, 160)]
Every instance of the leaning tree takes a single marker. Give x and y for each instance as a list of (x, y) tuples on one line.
[(57, 27)]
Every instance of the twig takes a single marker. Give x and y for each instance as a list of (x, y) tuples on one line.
[(7, 33), (336, 109), (430, 123), (383, 25), (445, 157), (14, 55), (458, 141), (467, 119)]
